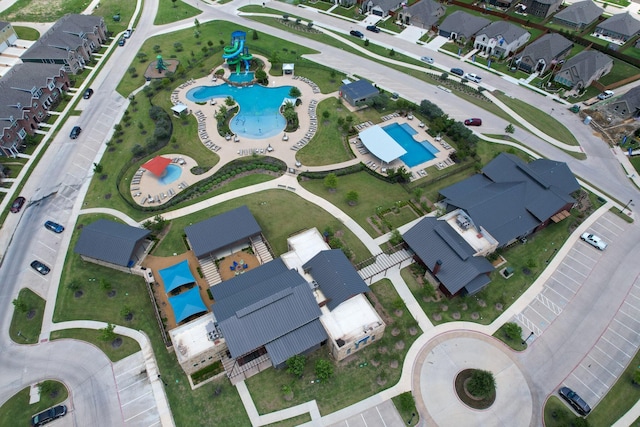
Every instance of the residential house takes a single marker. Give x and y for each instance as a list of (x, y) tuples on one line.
[(541, 8), (503, 4), (69, 42), (358, 92), (381, 8), (512, 199), (113, 244), (620, 27), (28, 92), (461, 26), (8, 35), (626, 106), (578, 16), (424, 14), (582, 69), (501, 38), (543, 52)]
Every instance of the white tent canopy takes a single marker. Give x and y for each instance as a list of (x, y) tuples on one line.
[(381, 145)]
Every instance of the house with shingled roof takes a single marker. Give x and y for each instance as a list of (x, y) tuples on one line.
[(543, 53), (8, 35), (626, 106), (621, 27), (424, 14), (381, 8), (541, 8), (579, 15), (461, 25), (581, 70), (501, 38)]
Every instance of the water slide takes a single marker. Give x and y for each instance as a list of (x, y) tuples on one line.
[(230, 52), (237, 52)]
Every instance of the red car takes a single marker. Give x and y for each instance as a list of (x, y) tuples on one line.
[(17, 204), (473, 122)]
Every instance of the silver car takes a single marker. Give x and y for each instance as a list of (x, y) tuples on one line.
[(427, 59)]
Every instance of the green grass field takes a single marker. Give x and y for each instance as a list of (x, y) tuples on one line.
[(26, 325), (172, 11), (26, 33), (18, 412), (129, 346)]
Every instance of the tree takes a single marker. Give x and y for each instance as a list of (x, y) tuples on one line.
[(174, 2), (636, 376), (352, 198), (295, 365), (274, 58), (396, 238), (221, 115), (143, 56), (178, 47), (20, 305), (326, 114), (482, 383), (261, 77), (295, 92), (229, 101), (107, 333), (324, 369), (126, 311), (97, 168), (510, 128), (105, 285), (254, 36), (512, 330), (331, 182)]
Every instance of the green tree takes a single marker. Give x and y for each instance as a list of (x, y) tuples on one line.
[(221, 115), (295, 92), (636, 376), (107, 333), (254, 36), (20, 304), (324, 369), (73, 285), (331, 182), (97, 168), (326, 114), (482, 383), (142, 56), (352, 198), (229, 101), (396, 238), (295, 365), (262, 77), (510, 129), (105, 285), (126, 311), (512, 330)]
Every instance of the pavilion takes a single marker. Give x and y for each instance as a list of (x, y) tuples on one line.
[(176, 276), (381, 144), (157, 165), (187, 304)]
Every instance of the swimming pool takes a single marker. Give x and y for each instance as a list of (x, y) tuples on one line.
[(259, 116), (241, 78), (171, 174), (417, 152)]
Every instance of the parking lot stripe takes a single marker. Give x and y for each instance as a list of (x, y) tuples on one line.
[(363, 420), (381, 419), (586, 253), (628, 315), (621, 336), (579, 262), (570, 278), (132, 384), (582, 382), (586, 368), (140, 413), (615, 346), (633, 307), (624, 325), (543, 318), (154, 424), (608, 355), (577, 271), (549, 304), (529, 324), (139, 397), (607, 229), (50, 248), (602, 366), (129, 370), (612, 223), (557, 293)]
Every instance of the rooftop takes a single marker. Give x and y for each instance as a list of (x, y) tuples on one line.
[(190, 339), (348, 320)]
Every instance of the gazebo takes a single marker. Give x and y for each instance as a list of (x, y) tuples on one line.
[(187, 304), (157, 165), (381, 145), (176, 276)]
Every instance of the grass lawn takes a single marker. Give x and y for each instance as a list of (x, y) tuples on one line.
[(374, 193), (320, 5), (516, 344), (558, 414), (361, 375), (328, 146), (174, 11), (26, 33), (620, 70), (538, 118), (128, 347), (280, 214), (17, 410), (26, 325), (109, 8), (292, 422), (411, 415)]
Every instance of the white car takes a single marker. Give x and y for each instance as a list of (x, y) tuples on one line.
[(427, 59), (606, 94), (473, 77), (594, 241)]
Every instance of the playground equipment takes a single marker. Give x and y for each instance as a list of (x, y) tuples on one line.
[(160, 64), (237, 52)]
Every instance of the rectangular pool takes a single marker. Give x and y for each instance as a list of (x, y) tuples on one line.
[(417, 152)]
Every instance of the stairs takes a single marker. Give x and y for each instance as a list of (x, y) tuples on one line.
[(210, 271), (383, 262), (261, 250)]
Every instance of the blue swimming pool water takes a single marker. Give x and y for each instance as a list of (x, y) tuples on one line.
[(417, 152), (259, 115), (171, 174), (241, 78)]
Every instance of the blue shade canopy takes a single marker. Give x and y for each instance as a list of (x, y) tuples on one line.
[(176, 276), (187, 304)]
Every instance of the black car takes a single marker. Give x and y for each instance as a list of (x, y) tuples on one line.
[(75, 132), (87, 93), (574, 400), (17, 204), (457, 71), (356, 33), (121, 41), (49, 415), (40, 267), (373, 28)]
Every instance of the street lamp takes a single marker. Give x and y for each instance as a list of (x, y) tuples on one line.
[(625, 206), (552, 254), (160, 378), (527, 339), (411, 419)]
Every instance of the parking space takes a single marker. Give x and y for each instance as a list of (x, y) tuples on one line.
[(602, 366), (383, 415), (568, 277), (135, 392)]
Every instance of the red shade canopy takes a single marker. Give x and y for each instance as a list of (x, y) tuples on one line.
[(157, 165)]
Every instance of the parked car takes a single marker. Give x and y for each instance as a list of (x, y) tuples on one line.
[(356, 33), (53, 226), (121, 41), (473, 122), (373, 28), (75, 132), (606, 94), (594, 241), (472, 77), (127, 33), (457, 71), (427, 59), (87, 93), (574, 400), (17, 204), (49, 415), (40, 267)]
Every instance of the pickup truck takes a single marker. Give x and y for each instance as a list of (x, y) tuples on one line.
[(605, 95)]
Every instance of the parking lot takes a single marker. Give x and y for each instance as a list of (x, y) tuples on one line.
[(136, 396), (383, 415)]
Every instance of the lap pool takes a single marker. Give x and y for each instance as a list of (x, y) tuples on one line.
[(259, 116), (417, 152)]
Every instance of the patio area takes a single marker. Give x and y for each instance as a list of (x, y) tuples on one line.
[(236, 264)]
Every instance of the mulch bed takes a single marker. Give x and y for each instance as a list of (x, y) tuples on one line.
[(466, 397)]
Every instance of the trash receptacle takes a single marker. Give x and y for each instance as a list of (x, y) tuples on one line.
[(587, 120)]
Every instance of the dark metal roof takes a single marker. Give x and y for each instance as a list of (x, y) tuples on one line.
[(359, 89), (433, 240), (335, 275), (250, 278), (510, 198), (296, 342), (109, 241), (463, 23), (580, 13), (222, 230)]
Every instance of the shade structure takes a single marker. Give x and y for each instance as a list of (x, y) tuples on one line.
[(381, 145), (187, 304), (176, 276), (157, 165)]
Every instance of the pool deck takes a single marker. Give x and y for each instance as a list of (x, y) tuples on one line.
[(146, 189)]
